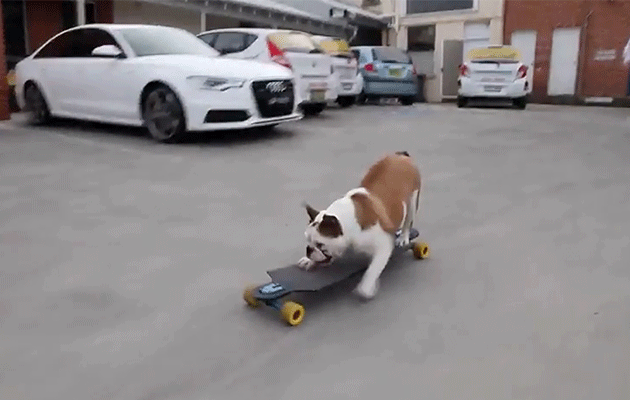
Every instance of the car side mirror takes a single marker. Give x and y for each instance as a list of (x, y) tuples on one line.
[(108, 51)]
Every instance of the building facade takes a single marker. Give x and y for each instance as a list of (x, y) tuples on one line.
[(27, 24), (437, 34), (574, 48)]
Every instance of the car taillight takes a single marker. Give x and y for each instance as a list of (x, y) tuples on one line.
[(522, 72), (413, 70), (463, 70), (277, 55), (369, 67)]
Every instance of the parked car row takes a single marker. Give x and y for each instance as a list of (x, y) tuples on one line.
[(173, 82)]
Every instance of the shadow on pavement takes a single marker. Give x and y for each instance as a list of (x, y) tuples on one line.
[(212, 138)]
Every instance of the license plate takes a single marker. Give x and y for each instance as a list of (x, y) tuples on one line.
[(282, 100), (347, 86), (494, 89), (492, 80), (318, 96), (395, 72)]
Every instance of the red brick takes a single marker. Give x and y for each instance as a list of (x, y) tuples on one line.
[(607, 28), (4, 85)]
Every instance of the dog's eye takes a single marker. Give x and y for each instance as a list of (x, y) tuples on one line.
[(319, 245)]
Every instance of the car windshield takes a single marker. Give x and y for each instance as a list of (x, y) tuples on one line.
[(295, 42), (391, 55), (153, 41)]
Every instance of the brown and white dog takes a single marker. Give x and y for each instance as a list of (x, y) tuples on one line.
[(367, 219)]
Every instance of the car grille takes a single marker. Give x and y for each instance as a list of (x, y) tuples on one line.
[(226, 116), (274, 98)]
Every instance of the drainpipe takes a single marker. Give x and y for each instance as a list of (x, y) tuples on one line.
[(580, 71), (202, 23), (80, 12)]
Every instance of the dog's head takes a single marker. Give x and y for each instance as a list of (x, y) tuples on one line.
[(324, 236)]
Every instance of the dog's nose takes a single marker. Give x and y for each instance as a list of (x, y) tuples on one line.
[(309, 251)]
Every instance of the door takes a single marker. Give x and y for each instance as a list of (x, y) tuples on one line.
[(54, 62), (109, 86), (452, 58), (565, 49), (476, 34), (525, 42)]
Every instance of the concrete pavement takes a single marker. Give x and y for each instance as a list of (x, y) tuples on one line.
[(123, 261)]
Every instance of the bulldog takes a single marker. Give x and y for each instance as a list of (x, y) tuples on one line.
[(367, 219)]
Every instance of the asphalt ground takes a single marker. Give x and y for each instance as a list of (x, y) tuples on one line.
[(124, 261)]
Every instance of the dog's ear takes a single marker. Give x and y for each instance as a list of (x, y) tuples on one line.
[(330, 226), (312, 213)]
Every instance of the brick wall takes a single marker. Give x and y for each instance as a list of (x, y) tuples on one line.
[(43, 20), (607, 28), (105, 11), (4, 85)]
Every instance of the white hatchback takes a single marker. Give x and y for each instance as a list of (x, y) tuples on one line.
[(161, 77), (295, 50), (346, 79), (493, 73)]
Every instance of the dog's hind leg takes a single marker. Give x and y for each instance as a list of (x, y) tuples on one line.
[(411, 209)]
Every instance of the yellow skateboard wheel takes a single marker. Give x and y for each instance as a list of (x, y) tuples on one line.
[(292, 312), (421, 250), (249, 298)]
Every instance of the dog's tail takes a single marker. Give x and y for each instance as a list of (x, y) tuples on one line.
[(403, 153)]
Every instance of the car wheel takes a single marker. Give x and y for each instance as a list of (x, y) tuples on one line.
[(346, 101), (361, 98), (406, 100), (313, 109), (461, 101), (520, 103), (163, 115), (38, 111)]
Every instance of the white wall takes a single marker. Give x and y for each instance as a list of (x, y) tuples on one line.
[(423, 61), (136, 12), (449, 26)]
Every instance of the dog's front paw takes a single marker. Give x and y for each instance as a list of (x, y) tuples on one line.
[(402, 240), (306, 263), (367, 290)]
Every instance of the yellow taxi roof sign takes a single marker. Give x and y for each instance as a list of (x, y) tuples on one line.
[(334, 45), (494, 53)]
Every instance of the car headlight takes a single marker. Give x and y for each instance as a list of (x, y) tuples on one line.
[(215, 83)]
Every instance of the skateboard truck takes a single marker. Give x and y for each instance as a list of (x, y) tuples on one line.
[(287, 280)]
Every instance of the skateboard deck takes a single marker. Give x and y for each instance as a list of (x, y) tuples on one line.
[(290, 279)]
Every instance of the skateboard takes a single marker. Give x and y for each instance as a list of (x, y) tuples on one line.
[(293, 279)]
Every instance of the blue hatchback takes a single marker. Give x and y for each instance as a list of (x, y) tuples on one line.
[(387, 72)]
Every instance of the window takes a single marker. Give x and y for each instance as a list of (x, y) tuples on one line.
[(390, 55), (159, 40), (93, 38), (58, 47), (425, 6), (209, 38), (76, 43), (421, 38), (229, 42)]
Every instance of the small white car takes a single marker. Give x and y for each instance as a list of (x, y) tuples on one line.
[(346, 79), (493, 73), (295, 50), (155, 76)]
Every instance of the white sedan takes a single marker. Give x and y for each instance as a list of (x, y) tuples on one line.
[(493, 73), (160, 77)]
